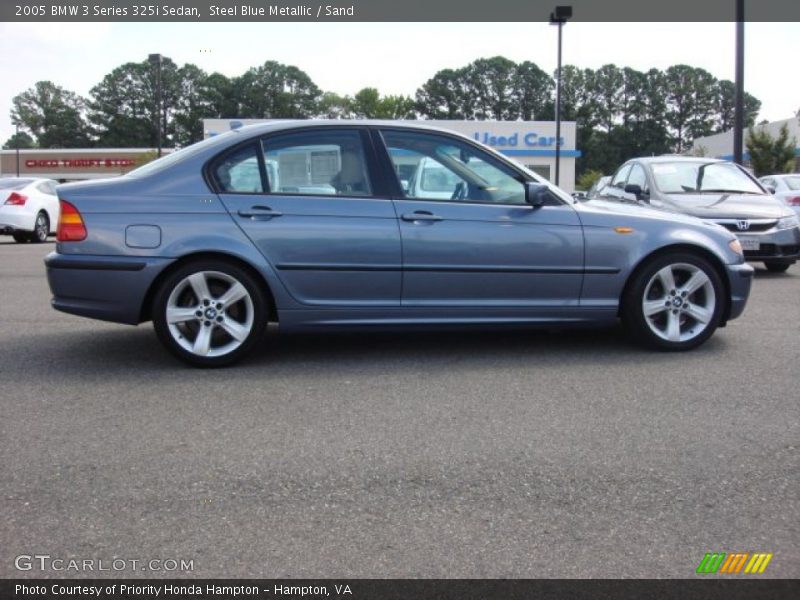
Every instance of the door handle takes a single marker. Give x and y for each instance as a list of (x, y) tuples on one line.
[(421, 215), (260, 211)]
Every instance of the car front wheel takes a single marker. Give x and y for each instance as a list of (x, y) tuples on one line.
[(210, 313), (777, 267), (675, 302)]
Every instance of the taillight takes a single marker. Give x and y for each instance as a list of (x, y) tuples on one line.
[(16, 199), (70, 224), (791, 201)]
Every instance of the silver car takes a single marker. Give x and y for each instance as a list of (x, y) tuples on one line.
[(718, 191), (784, 187)]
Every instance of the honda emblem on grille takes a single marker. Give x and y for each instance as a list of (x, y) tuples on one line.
[(743, 225)]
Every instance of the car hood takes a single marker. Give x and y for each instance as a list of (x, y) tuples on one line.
[(605, 208), (724, 206)]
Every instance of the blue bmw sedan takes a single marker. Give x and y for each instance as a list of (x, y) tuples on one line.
[(327, 225)]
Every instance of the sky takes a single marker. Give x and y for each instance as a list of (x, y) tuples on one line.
[(396, 58)]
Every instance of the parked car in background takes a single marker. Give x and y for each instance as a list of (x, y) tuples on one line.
[(597, 187), (328, 238), (717, 191), (28, 208), (785, 187)]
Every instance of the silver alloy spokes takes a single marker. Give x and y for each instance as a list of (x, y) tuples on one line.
[(679, 302), (210, 313), (41, 227)]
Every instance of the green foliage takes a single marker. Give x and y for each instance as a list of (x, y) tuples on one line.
[(19, 140), (52, 115), (588, 179), (770, 155)]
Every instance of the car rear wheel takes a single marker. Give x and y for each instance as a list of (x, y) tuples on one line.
[(41, 229), (210, 313), (675, 302), (777, 267)]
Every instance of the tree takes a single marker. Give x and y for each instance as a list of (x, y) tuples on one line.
[(368, 104), (726, 106), (53, 115), (533, 91), (19, 140), (770, 155), (123, 107), (334, 106), (691, 98), (445, 96), (276, 91), (588, 179)]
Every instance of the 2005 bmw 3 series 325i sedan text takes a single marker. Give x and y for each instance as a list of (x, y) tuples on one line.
[(330, 225)]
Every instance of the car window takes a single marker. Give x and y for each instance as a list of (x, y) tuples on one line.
[(621, 176), (434, 167), (793, 183), (12, 183), (46, 188), (238, 172), (692, 177), (320, 163), (637, 177)]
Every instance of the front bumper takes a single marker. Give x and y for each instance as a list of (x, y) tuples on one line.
[(782, 245), (110, 288), (740, 278)]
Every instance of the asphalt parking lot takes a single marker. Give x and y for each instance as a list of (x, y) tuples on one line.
[(517, 454)]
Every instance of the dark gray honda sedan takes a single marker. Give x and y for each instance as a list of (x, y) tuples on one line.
[(316, 225), (720, 192)]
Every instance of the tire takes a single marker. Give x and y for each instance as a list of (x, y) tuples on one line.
[(777, 267), (41, 228), (193, 320), (21, 237), (674, 302)]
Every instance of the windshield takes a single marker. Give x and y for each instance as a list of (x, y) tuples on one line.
[(687, 177), (177, 156), (793, 183)]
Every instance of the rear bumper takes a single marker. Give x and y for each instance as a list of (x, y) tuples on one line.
[(110, 288), (740, 278), (15, 218)]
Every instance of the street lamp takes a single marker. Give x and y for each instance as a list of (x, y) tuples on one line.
[(16, 145), (561, 15), (156, 60), (738, 118)]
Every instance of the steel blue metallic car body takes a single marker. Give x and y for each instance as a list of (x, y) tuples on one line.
[(375, 259)]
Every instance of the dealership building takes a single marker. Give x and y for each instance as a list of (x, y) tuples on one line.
[(721, 144), (531, 143)]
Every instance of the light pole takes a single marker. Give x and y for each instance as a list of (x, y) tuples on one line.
[(561, 15), (16, 146), (738, 118), (157, 59)]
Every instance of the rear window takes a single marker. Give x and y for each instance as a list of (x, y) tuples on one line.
[(174, 157), (793, 183), (14, 183)]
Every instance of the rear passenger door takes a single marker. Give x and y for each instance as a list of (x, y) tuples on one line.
[(309, 199)]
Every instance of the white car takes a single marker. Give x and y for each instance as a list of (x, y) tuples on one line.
[(29, 208), (786, 187)]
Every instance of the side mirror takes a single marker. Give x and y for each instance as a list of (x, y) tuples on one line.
[(635, 189), (536, 194), (770, 189)]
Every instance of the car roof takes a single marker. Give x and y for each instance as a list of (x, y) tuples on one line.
[(676, 158), (280, 125)]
